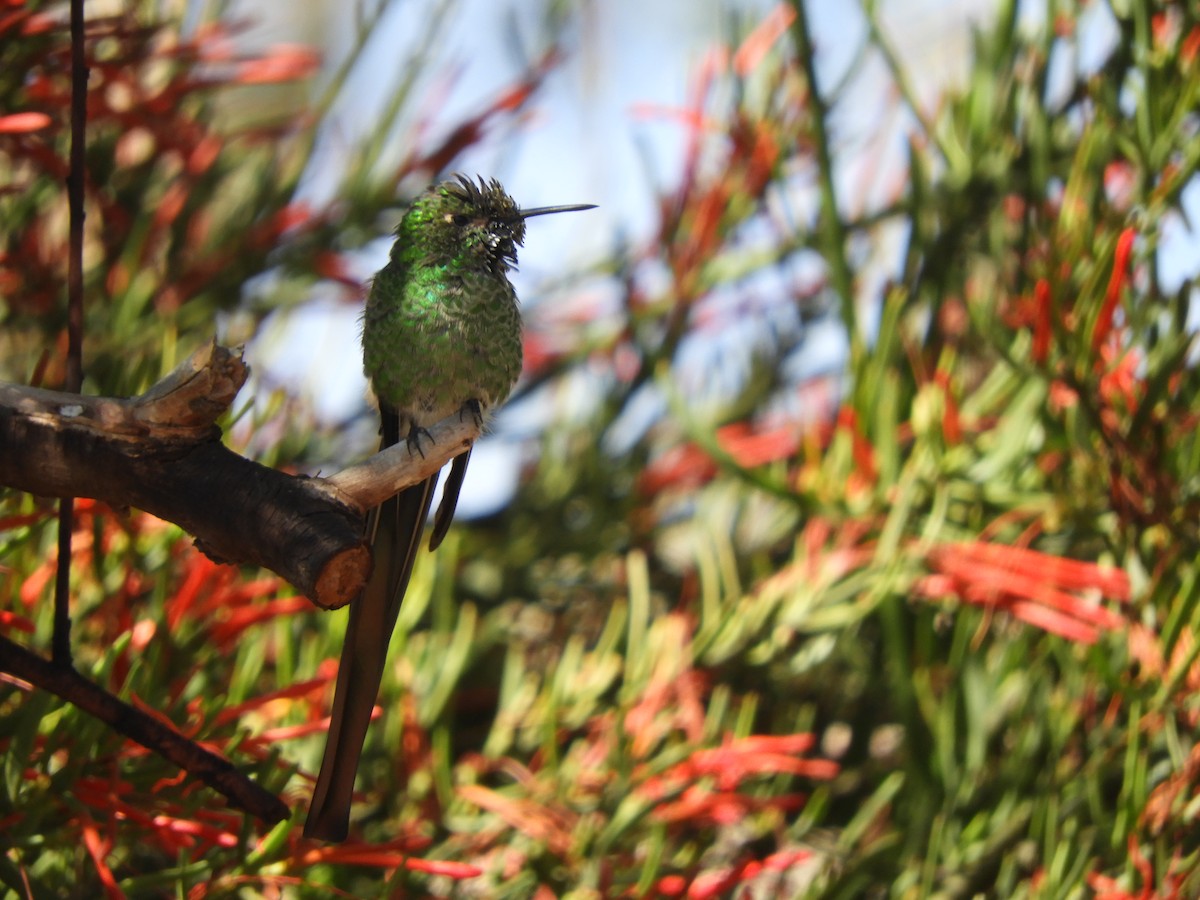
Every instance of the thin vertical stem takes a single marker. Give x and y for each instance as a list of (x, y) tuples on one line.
[(75, 182), (61, 646)]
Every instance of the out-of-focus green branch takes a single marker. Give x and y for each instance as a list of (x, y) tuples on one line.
[(830, 224)]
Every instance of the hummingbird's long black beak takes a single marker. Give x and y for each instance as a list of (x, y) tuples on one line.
[(546, 210)]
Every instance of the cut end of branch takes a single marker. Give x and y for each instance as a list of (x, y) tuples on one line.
[(343, 578)]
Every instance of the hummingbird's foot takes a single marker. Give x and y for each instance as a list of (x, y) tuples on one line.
[(415, 433), (475, 408)]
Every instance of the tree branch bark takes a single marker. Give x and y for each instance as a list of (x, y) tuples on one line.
[(161, 452)]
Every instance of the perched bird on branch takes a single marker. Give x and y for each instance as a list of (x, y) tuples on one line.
[(441, 335)]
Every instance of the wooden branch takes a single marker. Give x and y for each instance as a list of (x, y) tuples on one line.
[(161, 452), (370, 482), (215, 771)]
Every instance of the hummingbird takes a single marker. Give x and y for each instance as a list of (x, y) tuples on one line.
[(441, 336)]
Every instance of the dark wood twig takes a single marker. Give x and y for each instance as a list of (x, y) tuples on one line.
[(75, 185), (215, 771), (61, 641)]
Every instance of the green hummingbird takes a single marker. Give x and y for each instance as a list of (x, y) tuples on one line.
[(441, 336)]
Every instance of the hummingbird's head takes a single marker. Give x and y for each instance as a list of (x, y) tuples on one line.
[(472, 223), (486, 222)]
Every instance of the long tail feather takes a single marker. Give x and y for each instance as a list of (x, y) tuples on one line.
[(398, 526)]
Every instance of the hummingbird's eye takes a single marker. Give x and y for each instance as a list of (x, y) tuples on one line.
[(460, 220)]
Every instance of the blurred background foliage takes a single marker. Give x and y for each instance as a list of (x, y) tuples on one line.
[(921, 627)]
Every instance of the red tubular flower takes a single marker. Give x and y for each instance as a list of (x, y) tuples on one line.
[(23, 122), (1042, 330), (1120, 273), (1037, 588)]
